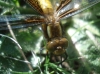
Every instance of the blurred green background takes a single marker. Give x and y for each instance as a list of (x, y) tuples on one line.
[(81, 30)]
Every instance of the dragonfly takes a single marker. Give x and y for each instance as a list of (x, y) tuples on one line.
[(51, 13)]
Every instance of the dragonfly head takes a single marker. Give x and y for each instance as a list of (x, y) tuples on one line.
[(57, 46)]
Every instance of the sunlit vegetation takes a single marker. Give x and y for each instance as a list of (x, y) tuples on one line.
[(81, 30)]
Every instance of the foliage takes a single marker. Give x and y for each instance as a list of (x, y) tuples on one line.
[(82, 33)]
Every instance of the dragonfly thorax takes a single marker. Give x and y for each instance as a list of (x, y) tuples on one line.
[(56, 43)]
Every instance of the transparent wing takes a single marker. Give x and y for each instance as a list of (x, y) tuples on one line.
[(20, 21), (35, 5), (72, 7), (62, 4)]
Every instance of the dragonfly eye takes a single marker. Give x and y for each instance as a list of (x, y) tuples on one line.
[(57, 46)]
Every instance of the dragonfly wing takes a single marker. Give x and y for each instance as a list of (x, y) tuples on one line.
[(75, 6), (19, 21), (35, 5), (62, 4)]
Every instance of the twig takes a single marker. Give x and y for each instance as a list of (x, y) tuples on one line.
[(20, 48)]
